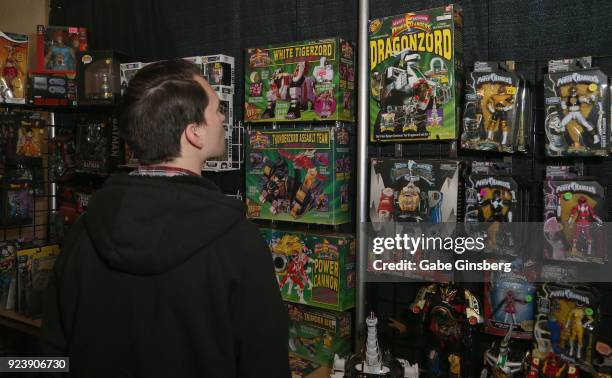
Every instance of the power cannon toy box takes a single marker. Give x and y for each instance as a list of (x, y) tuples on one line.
[(415, 75), (13, 67), (574, 212), (414, 191), (567, 322), (318, 335), (312, 269), (299, 175), (57, 47), (301, 81), (497, 109), (576, 112)]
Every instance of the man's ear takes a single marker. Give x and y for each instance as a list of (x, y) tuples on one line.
[(193, 134)]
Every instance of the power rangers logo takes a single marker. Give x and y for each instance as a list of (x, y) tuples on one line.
[(494, 78), (575, 187), (491, 181), (578, 78), (411, 23), (569, 294), (259, 141), (259, 58)]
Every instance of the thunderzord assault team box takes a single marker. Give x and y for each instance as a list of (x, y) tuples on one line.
[(415, 75)]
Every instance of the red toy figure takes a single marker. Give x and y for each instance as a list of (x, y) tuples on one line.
[(302, 161), (385, 207), (553, 367), (583, 214), (296, 272), (509, 304)]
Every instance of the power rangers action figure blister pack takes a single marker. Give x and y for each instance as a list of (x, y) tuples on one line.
[(492, 201), (299, 175), (13, 67), (413, 191), (566, 325), (496, 115), (574, 212), (415, 75), (509, 300), (300, 81), (577, 99), (314, 269)]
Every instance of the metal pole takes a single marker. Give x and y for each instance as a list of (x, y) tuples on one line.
[(362, 168)]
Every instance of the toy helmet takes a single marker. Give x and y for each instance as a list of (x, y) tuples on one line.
[(582, 200)]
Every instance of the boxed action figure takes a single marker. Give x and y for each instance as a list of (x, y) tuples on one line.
[(128, 70), (492, 200), (8, 275), (226, 161), (312, 269), (509, 300), (57, 47), (567, 322), (226, 103), (497, 112), (13, 67), (317, 334), (52, 88), (218, 70), (98, 148), (415, 75), (299, 175), (17, 201), (98, 77), (574, 212), (300, 81), (576, 114), (414, 191)]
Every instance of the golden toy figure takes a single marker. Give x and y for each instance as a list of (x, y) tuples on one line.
[(499, 105), (576, 326)]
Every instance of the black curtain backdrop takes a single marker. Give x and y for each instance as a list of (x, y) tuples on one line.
[(528, 31)]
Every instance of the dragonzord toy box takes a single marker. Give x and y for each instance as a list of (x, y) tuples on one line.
[(299, 175), (491, 201), (13, 67), (98, 147), (509, 301), (574, 212), (317, 334), (567, 322), (415, 75), (57, 47), (300, 81), (316, 270), (576, 112), (414, 191), (497, 111)]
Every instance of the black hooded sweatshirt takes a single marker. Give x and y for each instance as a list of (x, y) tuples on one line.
[(164, 277)]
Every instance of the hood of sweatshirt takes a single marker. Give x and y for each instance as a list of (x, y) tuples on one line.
[(149, 225)]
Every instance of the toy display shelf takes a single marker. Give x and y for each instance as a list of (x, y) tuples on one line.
[(22, 323)]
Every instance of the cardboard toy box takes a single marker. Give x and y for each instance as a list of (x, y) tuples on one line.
[(415, 75), (99, 76), (57, 47), (218, 70), (13, 67), (128, 70), (299, 175), (300, 81), (314, 269), (52, 89), (98, 147), (414, 191), (317, 334)]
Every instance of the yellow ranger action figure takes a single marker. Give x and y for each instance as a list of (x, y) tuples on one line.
[(575, 327)]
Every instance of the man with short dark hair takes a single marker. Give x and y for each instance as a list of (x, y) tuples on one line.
[(163, 276)]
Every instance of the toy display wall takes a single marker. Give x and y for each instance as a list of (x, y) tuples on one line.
[(529, 32)]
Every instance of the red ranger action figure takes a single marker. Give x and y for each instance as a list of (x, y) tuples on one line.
[(296, 271), (583, 214)]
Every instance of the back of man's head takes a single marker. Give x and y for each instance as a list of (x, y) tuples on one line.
[(160, 101)]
